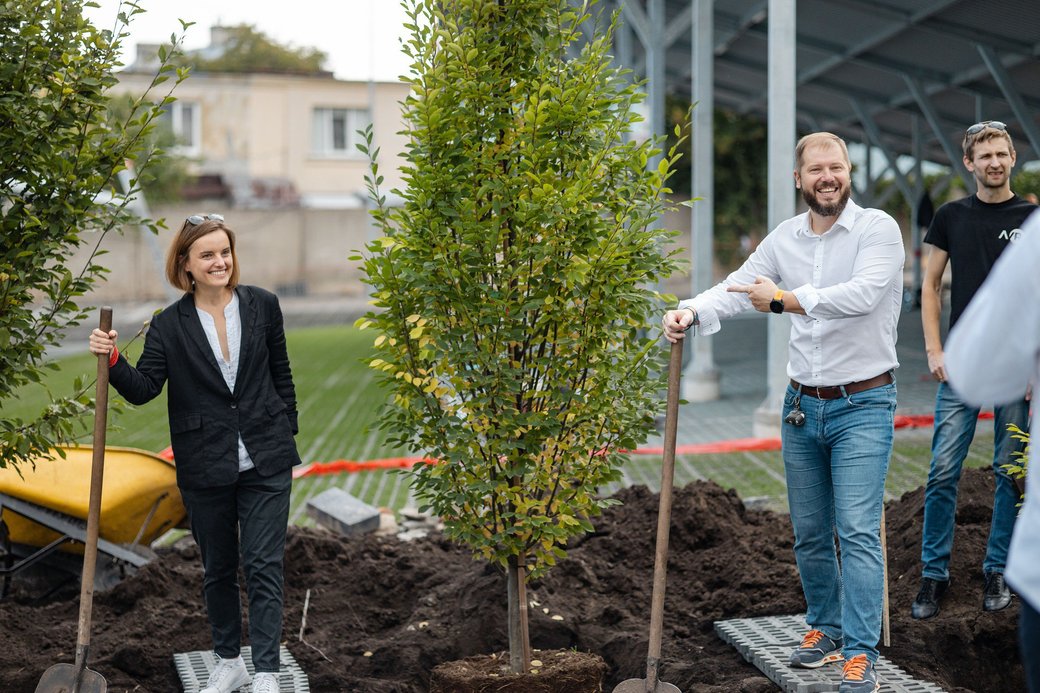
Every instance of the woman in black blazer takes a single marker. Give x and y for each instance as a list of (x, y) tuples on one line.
[(232, 411)]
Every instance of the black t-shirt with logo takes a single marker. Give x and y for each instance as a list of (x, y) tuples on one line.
[(974, 234)]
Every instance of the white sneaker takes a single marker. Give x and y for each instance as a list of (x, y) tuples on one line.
[(266, 682), (228, 675)]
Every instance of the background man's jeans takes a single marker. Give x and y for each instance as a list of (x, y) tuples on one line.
[(836, 466), (954, 430)]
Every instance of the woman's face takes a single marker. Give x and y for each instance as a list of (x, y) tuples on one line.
[(209, 260)]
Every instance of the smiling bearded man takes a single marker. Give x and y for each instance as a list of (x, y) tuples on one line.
[(843, 266)]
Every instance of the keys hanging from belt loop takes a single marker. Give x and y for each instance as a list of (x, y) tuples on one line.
[(845, 395), (796, 417)]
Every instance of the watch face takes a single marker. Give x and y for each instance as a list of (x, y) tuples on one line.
[(776, 306)]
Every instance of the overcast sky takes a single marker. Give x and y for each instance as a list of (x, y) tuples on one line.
[(361, 37)]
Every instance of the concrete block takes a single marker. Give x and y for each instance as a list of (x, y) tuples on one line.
[(341, 512)]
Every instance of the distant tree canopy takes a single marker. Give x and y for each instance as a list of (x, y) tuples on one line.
[(251, 50)]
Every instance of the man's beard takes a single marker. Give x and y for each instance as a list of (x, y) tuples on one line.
[(827, 210)]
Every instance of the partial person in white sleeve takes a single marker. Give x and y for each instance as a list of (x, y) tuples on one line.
[(993, 357), (843, 265)]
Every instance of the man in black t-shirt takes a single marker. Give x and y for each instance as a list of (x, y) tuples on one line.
[(968, 234)]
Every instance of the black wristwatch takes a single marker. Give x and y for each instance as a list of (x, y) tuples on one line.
[(777, 304)]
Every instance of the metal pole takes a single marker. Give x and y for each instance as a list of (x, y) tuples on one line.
[(782, 90), (701, 380)]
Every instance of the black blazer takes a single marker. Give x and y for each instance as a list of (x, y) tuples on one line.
[(205, 416)]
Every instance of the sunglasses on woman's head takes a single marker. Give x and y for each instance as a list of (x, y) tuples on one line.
[(196, 219), (979, 127)]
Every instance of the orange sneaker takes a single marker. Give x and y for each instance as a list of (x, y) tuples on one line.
[(816, 650), (858, 676)]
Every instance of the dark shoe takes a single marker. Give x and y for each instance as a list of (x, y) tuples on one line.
[(927, 603), (815, 651), (996, 596), (858, 676)]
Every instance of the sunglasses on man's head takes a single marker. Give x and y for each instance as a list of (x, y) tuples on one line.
[(196, 219), (979, 127)]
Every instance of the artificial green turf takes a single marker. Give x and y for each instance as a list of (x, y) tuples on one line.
[(339, 403)]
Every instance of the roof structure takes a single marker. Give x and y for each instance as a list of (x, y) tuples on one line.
[(876, 71), (904, 77)]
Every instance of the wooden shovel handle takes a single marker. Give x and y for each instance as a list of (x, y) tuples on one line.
[(664, 516), (97, 469)]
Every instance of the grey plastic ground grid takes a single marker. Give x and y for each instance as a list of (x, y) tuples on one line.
[(193, 669), (767, 643)]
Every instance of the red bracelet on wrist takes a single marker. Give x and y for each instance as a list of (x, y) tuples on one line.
[(113, 357)]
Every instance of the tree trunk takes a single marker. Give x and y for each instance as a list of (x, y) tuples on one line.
[(519, 633)]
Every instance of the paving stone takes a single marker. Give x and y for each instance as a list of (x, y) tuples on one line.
[(767, 642), (193, 668), (341, 512)]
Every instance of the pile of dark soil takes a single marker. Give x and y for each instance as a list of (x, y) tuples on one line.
[(382, 612)]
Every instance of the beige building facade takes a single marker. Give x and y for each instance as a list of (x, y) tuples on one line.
[(279, 139)]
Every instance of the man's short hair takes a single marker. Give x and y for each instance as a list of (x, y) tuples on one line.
[(985, 135), (818, 139)]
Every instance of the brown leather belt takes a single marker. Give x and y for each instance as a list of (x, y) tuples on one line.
[(835, 391)]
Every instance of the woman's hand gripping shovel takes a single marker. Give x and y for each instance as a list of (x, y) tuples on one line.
[(664, 517), (77, 678)]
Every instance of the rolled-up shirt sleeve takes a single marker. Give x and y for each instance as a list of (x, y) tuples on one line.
[(880, 257)]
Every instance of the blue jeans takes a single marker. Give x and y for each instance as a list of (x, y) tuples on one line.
[(836, 466), (955, 424)]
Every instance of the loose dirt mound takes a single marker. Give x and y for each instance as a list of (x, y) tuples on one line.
[(383, 612)]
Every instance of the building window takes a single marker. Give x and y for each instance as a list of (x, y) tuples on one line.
[(334, 131), (183, 119)]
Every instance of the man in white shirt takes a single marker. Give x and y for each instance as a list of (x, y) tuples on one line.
[(843, 266), (992, 354)]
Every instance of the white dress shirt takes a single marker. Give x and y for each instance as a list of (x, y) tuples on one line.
[(849, 281), (229, 369), (992, 354)]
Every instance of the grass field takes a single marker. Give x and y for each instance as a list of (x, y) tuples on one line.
[(339, 403)]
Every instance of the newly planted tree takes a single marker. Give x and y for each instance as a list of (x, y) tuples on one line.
[(59, 159), (513, 287)]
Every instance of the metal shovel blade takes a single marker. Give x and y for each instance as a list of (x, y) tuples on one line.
[(67, 678), (640, 686)]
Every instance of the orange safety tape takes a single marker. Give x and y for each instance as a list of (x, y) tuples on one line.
[(721, 446)]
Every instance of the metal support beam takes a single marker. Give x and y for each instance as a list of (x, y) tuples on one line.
[(915, 222), (1011, 93), (952, 152), (623, 45), (637, 19), (655, 65), (781, 141), (701, 380), (871, 128)]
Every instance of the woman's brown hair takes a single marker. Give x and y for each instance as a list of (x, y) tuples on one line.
[(177, 255)]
